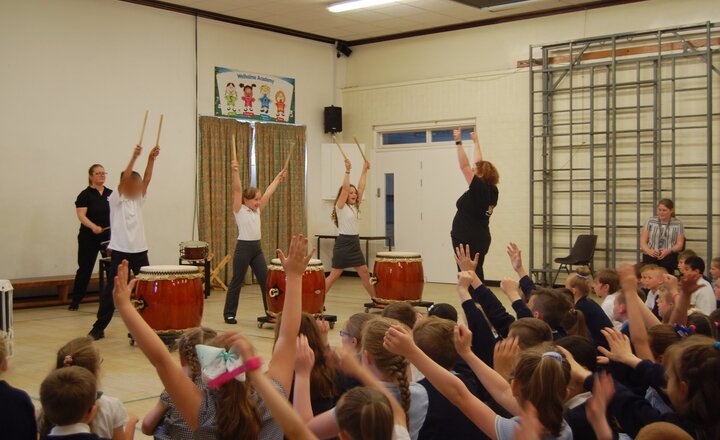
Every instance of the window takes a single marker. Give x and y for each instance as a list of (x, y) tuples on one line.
[(425, 137)]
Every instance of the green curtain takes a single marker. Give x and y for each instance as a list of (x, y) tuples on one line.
[(216, 222), (285, 214)]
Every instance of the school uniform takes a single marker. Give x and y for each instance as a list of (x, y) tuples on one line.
[(127, 242), (703, 300), (77, 431), (595, 319), (90, 243), (471, 225), (346, 251), (17, 413), (651, 303), (248, 253)]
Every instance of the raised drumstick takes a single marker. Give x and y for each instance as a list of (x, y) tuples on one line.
[(234, 150), (340, 147), (142, 132), (157, 141), (361, 150), (287, 161)]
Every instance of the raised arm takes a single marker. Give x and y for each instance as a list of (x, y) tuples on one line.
[(127, 174), (147, 177), (363, 180), (688, 286), (345, 190), (463, 161), (282, 364), (182, 390), (635, 306), (270, 190), (304, 363), (399, 341), (477, 152), (237, 186)]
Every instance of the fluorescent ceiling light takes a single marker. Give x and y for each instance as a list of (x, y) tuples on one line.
[(508, 6), (351, 5)]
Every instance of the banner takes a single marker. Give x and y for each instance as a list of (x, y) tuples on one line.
[(254, 96)]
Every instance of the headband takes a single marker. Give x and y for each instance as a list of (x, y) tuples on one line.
[(553, 354), (684, 331), (67, 361), (219, 366)]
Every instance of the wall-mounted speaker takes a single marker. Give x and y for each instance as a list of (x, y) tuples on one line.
[(333, 119)]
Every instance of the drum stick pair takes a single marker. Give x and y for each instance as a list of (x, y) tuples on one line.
[(142, 132), (343, 151), (234, 153)]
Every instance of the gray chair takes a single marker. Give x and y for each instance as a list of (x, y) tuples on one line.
[(581, 254)]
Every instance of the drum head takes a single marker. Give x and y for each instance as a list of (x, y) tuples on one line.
[(194, 244), (169, 269), (276, 262), (395, 254), (312, 262)]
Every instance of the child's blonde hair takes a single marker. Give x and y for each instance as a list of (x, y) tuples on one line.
[(543, 379), (393, 365), (79, 352), (365, 413), (581, 281)]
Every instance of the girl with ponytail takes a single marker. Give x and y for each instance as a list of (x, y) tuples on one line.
[(580, 284), (392, 371)]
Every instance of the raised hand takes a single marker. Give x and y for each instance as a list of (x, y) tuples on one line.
[(457, 135), (281, 175), (241, 344), (465, 279), (123, 288), (398, 340), (474, 137), (137, 151), (577, 371), (235, 165), (348, 165), (366, 165), (620, 348), (511, 289), (154, 153), (689, 283), (298, 257), (596, 407), (324, 328), (345, 359), (463, 260), (628, 279), (505, 354), (515, 255), (462, 338), (671, 282), (304, 357)]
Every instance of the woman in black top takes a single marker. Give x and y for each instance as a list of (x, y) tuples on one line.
[(471, 224), (93, 211)]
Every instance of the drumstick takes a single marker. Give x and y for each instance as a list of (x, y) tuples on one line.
[(340, 147), (157, 141), (361, 151), (287, 161), (142, 132), (234, 152), (106, 228)]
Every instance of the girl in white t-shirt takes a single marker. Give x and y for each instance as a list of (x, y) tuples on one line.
[(347, 252), (247, 206), (111, 420)]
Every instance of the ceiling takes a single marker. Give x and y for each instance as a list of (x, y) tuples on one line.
[(312, 16)]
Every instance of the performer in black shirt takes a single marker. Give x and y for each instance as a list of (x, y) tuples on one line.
[(471, 224), (93, 211)]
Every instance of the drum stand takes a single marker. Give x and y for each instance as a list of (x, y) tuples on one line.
[(377, 304), (269, 319)]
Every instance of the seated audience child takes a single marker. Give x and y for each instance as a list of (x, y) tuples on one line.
[(68, 397), (715, 272), (233, 410), (444, 311), (662, 431), (682, 256), (392, 370), (164, 421), (111, 419), (715, 318), (701, 324), (704, 298), (620, 311), (444, 421), (651, 279), (606, 286), (665, 302), (17, 413), (580, 284), (401, 311), (539, 378), (531, 332), (661, 337), (351, 332)]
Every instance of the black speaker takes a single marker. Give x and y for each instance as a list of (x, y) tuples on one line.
[(333, 119)]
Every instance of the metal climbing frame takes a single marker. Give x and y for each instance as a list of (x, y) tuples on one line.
[(617, 123)]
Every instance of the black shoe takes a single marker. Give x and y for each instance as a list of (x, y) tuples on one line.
[(230, 320), (73, 307), (96, 335)]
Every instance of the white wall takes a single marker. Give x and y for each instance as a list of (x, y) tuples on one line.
[(472, 74), (75, 79)]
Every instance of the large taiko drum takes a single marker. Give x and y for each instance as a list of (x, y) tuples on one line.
[(193, 250), (313, 288), (398, 276), (170, 297)]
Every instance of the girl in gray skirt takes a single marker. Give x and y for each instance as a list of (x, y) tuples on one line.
[(346, 252), (247, 205)]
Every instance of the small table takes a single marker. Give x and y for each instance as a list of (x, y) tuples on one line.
[(205, 264), (368, 239)]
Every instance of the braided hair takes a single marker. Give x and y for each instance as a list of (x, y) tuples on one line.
[(393, 365), (186, 348)]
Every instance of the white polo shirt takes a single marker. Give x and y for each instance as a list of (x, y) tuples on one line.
[(347, 218), (127, 229), (703, 299), (248, 223)]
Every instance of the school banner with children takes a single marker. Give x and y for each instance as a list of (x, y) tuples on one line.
[(254, 96)]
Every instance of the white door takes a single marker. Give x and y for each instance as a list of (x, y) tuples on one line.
[(442, 184)]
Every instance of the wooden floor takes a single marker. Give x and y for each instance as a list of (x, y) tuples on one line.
[(126, 373)]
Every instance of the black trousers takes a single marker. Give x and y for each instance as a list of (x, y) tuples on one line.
[(88, 248), (670, 263), (247, 254), (478, 245), (107, 307)]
